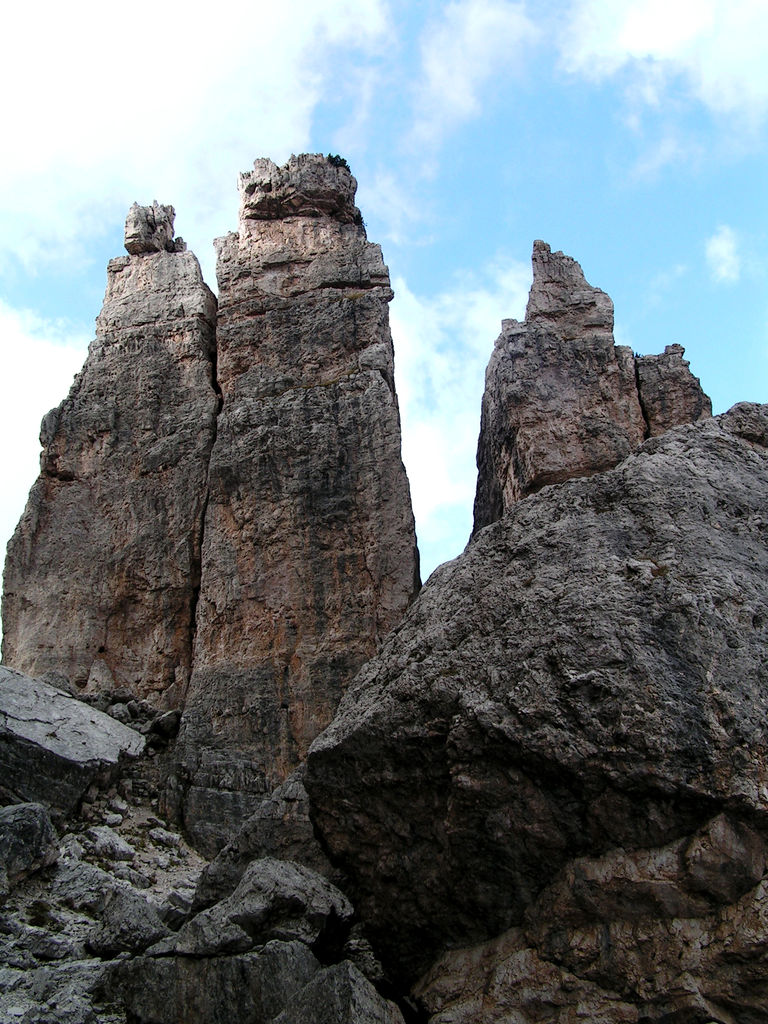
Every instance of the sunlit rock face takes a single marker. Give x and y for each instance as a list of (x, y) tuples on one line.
[(561, 399), (309, 557), (102, 572)]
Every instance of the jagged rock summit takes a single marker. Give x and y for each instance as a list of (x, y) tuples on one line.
[(150, 229), (561, 400)]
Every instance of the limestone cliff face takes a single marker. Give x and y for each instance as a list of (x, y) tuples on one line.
[(309, 557), (102, 573), (561, 400)]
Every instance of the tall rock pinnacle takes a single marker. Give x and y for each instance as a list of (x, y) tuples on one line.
[(102, 572), (309, 557), (561, 400)]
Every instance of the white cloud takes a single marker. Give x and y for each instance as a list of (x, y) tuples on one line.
[(717, 48), (39, 361), (723, 256), (442, 346), (473, 43), (107, 103)]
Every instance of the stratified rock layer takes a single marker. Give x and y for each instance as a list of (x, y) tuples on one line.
[(588, 679), (561, 400), (309, 556), (102, 572)]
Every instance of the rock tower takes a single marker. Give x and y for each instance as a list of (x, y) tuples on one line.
[(103, 571), (309, 556), (562, 400)]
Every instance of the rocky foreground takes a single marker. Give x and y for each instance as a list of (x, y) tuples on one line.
[(261, 783)]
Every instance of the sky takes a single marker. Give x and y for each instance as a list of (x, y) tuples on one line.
[(630, 134)]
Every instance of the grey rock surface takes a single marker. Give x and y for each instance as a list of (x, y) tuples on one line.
[(252, 988), (282, 983), (588, 676), (274, 900), (28, 840), (309, 556), (279, 828), (669, 393), (561, 400), (102, 572), (53, 746), (149, 229), (340, 994), (128, 923)]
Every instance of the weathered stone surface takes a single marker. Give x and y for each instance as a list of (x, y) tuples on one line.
[(274, 900), (128, 923), (149, 229), (306, 186), (28, 840), (280, 828), (102, 572), (590, 674), (309, 556), (54, 994), (53, 746), (561, 400), (611, 936), (252, 988), (340, 995), (281, 984), (505, 980), (669, 393)]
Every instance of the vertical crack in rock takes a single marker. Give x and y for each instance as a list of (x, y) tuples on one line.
[(310, 553), (197, 560), (562, 400), (99, 577), (640, 399)]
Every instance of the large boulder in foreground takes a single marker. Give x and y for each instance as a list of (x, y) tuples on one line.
[(282, 983), (53, 746), (589, 675)]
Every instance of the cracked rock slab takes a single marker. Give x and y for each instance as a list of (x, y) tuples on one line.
[(53, 746)]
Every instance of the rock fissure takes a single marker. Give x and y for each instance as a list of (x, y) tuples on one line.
[(643, 409)]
